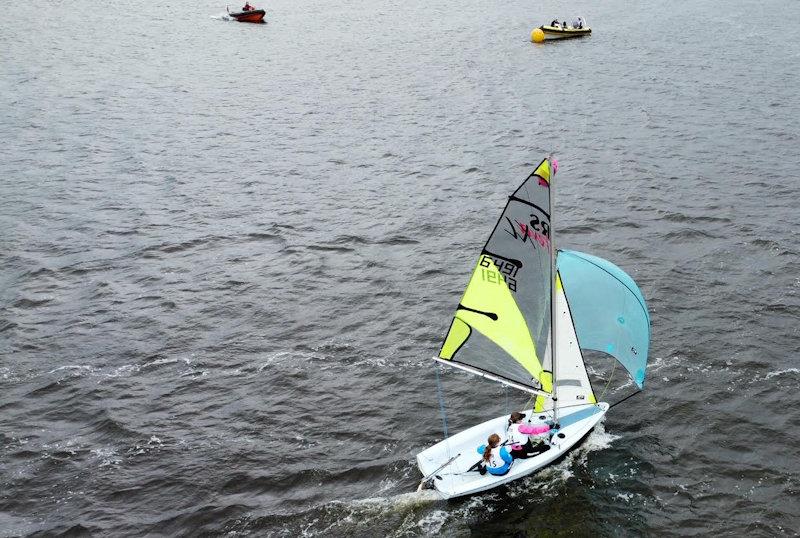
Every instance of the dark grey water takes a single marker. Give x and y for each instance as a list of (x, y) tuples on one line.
[(228, 252)]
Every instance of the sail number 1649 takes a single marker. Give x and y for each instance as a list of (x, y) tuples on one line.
[(505, 273)]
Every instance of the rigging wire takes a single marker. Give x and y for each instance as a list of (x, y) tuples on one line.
[(529, 402), (442, 408), (614, 367), (441, 401)]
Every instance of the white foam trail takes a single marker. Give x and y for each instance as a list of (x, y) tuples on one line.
[(81, 370), (360, 513), (73, 367), (770, 375), (284, 356), (159, 362), (403, 501), (106, 456), (7, 375)]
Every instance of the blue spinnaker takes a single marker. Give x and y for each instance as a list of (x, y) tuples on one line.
[(608, 310)]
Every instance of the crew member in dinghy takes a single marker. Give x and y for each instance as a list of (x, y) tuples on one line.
[(247, 6), (496, 458), (526, 440)]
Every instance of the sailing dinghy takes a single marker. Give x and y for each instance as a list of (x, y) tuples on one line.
[(522, 296)]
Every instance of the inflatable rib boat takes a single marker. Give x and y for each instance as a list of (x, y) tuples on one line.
[(254, 15)]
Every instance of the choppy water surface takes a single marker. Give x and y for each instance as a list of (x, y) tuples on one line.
[(228, 252)]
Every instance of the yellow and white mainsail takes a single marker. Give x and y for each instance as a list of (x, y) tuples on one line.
[(502, 324)]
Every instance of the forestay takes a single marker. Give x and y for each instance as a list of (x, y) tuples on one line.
[(502, 324)]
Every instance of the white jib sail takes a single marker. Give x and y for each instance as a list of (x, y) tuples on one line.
[(573, 383)]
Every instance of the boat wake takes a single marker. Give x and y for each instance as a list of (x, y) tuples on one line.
[(423, 513), (406, 512), (550, 478)]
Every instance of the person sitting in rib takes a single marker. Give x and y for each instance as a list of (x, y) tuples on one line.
[(526, 440), (496, 458)]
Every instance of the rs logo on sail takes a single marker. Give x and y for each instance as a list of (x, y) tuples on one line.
[(536, 229)]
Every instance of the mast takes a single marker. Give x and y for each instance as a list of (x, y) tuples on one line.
[(553, 313)]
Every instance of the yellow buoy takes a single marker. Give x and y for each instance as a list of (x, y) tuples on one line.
[(537, 35)]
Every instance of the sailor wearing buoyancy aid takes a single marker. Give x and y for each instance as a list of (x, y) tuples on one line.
[(525, 439), (496, 459)]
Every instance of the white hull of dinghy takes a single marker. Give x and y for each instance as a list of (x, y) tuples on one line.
[(455, 480)]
